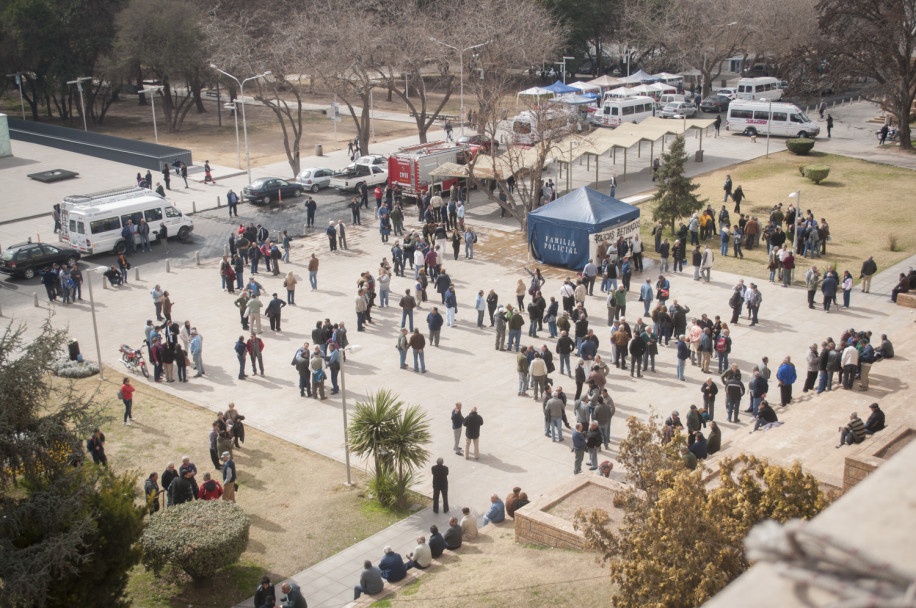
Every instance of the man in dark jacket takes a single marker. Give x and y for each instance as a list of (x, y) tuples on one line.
[(181, 489), (854, 432), (265, 596), (440, 485), (274, 307), (765, 415), (436, 542), (593, 442), (472, 424), (392, 566), (875, 420)]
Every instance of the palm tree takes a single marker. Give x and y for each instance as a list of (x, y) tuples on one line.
[(394, 435), (406, 451), (370, 426)]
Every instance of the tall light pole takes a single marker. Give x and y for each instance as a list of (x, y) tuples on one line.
[(461, 52), (563, 64), (241, 100), (18, 77), (238, 148), (151, 91), (95, 328), (343, 395), (79, 87)]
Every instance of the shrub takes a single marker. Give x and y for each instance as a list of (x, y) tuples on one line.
[(817, 173), (200, 537), (800, 146), (65, 368), (892, 242)]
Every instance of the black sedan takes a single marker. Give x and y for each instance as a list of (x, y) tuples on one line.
[(715, 104), (262, 191), (27, 259)]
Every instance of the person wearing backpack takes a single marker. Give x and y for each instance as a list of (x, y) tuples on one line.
[(723, 347), (96, 447)]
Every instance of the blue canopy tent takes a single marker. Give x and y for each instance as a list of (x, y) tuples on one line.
[(559, 88), (560, 233)]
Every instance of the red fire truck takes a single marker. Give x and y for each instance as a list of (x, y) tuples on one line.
[(410, 166)]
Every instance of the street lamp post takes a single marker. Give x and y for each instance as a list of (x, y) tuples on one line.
[(18, 77), (563, 64), (461, 52), (151, 91), (238, 148), (343, 395), (79, 87), (241, 100), (95, 328)]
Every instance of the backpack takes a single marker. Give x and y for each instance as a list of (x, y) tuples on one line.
[(241, 349), (721, 345)]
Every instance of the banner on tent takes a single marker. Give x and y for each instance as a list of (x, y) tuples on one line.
[(626, 231)]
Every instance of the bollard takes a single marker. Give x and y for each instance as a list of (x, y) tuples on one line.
[(193, 207), (104, 282), (305, 229), (35, 297), (136, 273), (168, 266), (226, 250), (1, 311), (198, 258), (218, 204)]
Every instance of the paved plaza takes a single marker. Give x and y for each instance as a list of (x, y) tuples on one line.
[(465, 367)]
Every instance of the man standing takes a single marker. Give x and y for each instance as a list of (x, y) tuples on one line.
[(417, 342), (869, 268), (233, 201), (812, 279), (434, 323), (255, 347), (578, 439), (196, 348), (362, 305), (332, 235), (157, 295), (786, 377), (457, 423), (472, 424), (593, 442), (440, 485), (253, 311), (407, 304), (274, 308), (228, 477), (451, 307), (706, 264)]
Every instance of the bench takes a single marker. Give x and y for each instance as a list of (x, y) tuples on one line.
[(906, 299)]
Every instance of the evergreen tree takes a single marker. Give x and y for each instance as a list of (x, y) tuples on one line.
[(67, 532), (676, 195)]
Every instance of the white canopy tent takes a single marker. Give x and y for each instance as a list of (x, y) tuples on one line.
[(585, 86), (621, 92)]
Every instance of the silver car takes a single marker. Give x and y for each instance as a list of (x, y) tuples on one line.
[(314, 179), (679, 109)]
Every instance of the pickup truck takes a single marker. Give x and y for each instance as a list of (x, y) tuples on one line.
[(354, 175)]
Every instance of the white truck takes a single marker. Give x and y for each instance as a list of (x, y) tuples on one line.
[(354, 175)]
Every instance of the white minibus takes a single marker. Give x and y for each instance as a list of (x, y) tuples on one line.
[(531, 126), (754, 118), (92, 223), (615, 111), (757, 89)]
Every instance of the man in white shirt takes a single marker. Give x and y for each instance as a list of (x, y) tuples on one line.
[(421, 557)]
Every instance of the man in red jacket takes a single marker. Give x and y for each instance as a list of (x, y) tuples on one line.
[(210, 489)]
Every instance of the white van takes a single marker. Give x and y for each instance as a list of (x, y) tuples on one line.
[(615, 111), (670, 98), (754, 118), (92, 223), (529, 127), (757, 89)]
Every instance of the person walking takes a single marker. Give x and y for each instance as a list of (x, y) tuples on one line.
[(253, 313), (126, 393), (440, 485), (869, 268), (332, 235), (241, 352), (829, 125), (472, 424), (229, 477)]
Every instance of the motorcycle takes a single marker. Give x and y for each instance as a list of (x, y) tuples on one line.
[(133, 360)]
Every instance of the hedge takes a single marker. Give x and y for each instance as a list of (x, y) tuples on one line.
[(200, 537), (65, 368), (817, 173), (800, 146)]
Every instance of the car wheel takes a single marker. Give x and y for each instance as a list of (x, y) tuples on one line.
[(750, 131), (315, 188), (802, 134), (71, 261), (184, 233), (265, 200), (29, 273), (299, 192), (120, 247)]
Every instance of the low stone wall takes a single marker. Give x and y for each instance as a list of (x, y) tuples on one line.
[(906, 299), (873, 452), (548, 520)]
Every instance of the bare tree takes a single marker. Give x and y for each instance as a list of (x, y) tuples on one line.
[(518, 34), (876, 40)]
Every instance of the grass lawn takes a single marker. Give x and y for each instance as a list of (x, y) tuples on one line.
[(494, 570), (301, 512), (864, 203)]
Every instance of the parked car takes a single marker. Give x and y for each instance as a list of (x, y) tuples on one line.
[(26, 259), (730, 93), (715, 103), (679, 109), (354, 175), (372, 159), (475, 141), (262, 191), (315, 179)]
